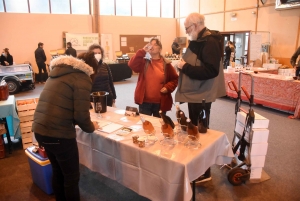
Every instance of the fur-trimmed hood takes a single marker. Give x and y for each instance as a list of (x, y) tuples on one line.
[(67, 61)]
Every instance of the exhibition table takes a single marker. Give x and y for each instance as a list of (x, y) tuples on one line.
[(274, 91), (157, 172), (8, 111), (120, 71)]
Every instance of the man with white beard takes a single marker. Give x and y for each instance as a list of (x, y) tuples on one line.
[(201, 73)]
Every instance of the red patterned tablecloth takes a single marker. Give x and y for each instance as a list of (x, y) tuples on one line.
[(279, 94)]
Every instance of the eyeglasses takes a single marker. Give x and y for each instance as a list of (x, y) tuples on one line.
[(186, 28)]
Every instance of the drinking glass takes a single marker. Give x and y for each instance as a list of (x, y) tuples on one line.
[(98, 108), (150, 136), (192, 142)]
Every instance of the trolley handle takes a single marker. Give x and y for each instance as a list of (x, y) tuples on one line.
[(232, 86), (246, 92)]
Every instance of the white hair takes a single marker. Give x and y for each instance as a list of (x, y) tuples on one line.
[(196, 18)]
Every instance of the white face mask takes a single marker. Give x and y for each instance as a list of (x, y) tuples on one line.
[(98, 57)]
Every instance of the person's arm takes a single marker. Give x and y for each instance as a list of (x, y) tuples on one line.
[(209, 67), (44, 56), (2, 60), (81, 96), (172, 80), (111, 83), (137, 62), (10, 59), (295, 56)]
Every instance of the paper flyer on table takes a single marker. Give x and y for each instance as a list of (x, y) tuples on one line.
[(109, 127)]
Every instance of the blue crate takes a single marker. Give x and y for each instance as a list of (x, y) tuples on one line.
[(41, 170)]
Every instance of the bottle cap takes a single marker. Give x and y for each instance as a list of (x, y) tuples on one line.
[(188, 120)]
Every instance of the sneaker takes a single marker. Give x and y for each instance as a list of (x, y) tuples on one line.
[(202, 178)]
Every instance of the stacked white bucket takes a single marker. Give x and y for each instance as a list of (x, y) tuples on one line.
[(26, 109), (259, 142)]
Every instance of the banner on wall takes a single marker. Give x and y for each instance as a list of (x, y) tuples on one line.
[(106, 44), (255, 47), (82, 41)]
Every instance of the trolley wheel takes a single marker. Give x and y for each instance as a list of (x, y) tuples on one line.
[(13, 86), (236, 176)]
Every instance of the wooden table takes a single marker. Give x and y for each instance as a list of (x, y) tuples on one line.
[(274, 91), (154, 171)]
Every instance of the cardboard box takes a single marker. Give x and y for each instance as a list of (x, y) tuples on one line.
[(256, 161), (258, 149), (259, 122), (255, 172), (259, 135)]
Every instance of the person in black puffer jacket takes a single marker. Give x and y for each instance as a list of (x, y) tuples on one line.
[(102, 77), (6, 58), (64, 103)]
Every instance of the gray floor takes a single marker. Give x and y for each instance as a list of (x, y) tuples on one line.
[(282, 160)]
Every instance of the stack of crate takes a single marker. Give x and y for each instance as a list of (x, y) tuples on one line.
[(259, 142), (26, 109)]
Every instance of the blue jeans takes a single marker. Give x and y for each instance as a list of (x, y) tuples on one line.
[(150, 109), (64, 158)]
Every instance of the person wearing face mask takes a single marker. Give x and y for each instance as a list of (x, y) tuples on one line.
[(157, 79), (6, 58), (102, 78), (201, 73)]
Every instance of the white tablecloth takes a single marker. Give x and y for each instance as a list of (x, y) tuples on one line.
[(150, 171)]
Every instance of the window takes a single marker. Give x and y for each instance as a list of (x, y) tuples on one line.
[(246, 41), (138, 8), (1, 6), (80, 7), (153, 8), (123, 7), (60, 7), (16, 6), (107, 7), (39, 6), (167, 8)]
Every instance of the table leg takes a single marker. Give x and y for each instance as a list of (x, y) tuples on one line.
[(194, 191), (9, 143)]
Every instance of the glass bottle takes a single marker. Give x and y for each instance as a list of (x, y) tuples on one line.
[(166, 129), (147, 126), (178, 110), (167, 119), (192, 129), (202, 119), (183, 122)]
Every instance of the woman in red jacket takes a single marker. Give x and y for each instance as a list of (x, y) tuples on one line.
[(157, 79)]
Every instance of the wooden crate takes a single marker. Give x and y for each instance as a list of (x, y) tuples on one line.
[(26, 107), (26, 118)]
